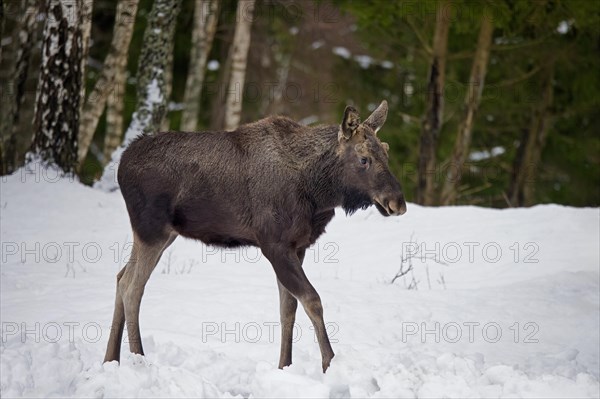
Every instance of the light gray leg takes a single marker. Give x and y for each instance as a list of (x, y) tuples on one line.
[(113, 350), (131, 286)]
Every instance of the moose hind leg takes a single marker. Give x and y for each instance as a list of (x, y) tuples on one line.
[(113, 349), (133, 283)]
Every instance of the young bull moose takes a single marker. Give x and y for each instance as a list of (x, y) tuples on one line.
[(273, 184)]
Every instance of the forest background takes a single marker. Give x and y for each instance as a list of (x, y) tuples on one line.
[(492, 103)]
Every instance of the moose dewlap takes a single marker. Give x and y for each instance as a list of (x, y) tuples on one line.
[(273, 184)]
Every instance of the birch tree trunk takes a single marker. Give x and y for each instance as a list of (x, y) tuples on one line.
[(165, 125), (472, 100), (241, 44), (217, 112), (2, 150), (151, 82), (59, 88), (114, 112), (24, 40), (432, 122), (2, 17), (522, 186), (116, 60), (87, 8), (206, 14)]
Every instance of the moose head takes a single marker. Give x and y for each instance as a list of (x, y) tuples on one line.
[(366, 175)]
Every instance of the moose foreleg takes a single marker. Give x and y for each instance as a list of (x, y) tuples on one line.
[(132, 285), (314, 309), (287, 309), (289, 272)]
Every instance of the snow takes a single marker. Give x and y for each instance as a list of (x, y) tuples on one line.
[(564, 27), (5, 41), (481, 155), (364, 61), (507, 304), (154, 96), (317, 44), (309, 120), (213, 65), (342, 52), (175, 106), (387, 64)]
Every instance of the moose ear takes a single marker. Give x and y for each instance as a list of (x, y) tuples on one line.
[(350, 122), (378, 117)]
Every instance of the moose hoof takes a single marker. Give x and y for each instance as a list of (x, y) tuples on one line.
[(326, 363), (284, 364)]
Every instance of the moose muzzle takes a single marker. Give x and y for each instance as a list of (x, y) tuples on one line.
[(393, 206), (397, 207)]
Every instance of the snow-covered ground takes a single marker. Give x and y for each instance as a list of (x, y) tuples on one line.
[(506, 305)]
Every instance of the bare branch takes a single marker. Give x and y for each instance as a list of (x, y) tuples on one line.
[(409, 118), (420, 37), (518, 79)]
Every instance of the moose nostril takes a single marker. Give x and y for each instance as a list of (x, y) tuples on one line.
[(397, 207), (402, 209)]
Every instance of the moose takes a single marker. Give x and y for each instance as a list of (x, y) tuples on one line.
[(273, 184)]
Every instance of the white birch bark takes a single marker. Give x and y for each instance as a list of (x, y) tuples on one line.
[(151, 92), (205, 25), (114, 112), (241, 45), (59, 88), (115, 61)]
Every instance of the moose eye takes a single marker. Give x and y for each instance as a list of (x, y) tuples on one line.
[(364, 161)]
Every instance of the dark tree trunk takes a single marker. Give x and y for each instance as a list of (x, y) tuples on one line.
[(23, 42), (526, 165), (432, 122), (2, 16), (217, 111), (472, 100)]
